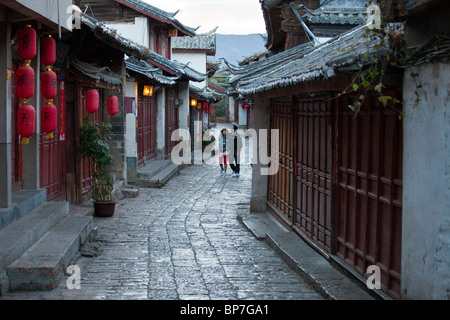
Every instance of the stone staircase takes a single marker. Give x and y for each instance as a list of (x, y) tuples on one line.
[(156, 173), (39, 239)]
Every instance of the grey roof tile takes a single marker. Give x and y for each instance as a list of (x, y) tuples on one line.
[(304, 63)]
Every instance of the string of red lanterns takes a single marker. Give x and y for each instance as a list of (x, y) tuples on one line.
[(93, 99), (49, 81), (25, 83)]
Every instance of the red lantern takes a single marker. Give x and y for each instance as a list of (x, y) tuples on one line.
[(48, 84), (92, 100), (49, 119), (25, 82), (48, 51), (112, 105), (25, 122), (27, 43)]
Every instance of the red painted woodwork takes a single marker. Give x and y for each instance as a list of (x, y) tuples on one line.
[(146, 131), (369, 190)]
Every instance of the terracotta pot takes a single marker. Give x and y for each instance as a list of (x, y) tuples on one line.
[(104, 209)]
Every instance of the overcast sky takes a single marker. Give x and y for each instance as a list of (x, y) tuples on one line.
[(231, 16)]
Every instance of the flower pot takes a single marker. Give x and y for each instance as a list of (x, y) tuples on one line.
[(104, 209)]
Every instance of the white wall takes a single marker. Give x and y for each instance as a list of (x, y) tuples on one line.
[(137, 32), (242, 116), (426, 184), (197, 61), (231, 108), (130, 135), (183, 108), (160, 122)]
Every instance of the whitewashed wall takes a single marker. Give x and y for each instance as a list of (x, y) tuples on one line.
[(426, 184)]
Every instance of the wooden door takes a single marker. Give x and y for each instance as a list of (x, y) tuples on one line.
[(314, 167), (369, 190), (280, 186), (52, 155), (146, 131)]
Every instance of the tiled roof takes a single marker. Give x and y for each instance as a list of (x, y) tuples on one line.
[(149, 71), (149, 10), (182, 70), (254, 56), (338, 12), (205, 94), (304, 63), (115, 40), (205, 42), (97, 74)]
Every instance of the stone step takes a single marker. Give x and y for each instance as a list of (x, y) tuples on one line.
[(152, 169), (23, 202), (20, 235), (161, 178), (167, 173), (41, 266)]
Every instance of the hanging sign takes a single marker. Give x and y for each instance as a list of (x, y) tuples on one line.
[(62, 112)]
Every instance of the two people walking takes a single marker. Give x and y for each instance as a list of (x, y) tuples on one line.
[(230, 146)]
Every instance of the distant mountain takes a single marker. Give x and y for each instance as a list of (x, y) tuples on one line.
[(235, 48)]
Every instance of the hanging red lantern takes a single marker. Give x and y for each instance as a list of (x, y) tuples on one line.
[(49, 119), (27, 43), (92, 100), (25, 122), (48, 51), (25, 81), (48, 84), (112, 105)]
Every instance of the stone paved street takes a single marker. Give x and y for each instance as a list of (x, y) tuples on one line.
[(182, 241)]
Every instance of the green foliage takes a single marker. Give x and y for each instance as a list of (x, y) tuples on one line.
[(221, 111), (93, 146), (391, 52)]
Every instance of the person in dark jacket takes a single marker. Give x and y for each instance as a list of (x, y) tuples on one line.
[(235, 152)]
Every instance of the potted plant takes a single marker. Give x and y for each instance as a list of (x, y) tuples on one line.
[(93, 146)]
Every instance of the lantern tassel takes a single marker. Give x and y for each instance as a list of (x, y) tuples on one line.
[(49, 136), (24, 140)]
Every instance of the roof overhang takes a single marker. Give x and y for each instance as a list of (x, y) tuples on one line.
[(26, 14)]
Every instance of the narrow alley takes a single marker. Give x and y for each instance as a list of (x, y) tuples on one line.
[(182, 242)]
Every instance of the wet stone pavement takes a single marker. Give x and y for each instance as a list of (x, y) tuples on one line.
[(182, 242)]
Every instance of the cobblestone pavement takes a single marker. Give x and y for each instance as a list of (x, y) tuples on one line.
[(182, 242)]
